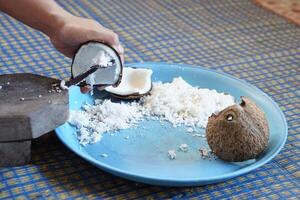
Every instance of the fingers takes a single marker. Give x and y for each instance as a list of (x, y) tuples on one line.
[(122, 59), (78, 31), (66, 50), (85, 89), (109, 37), (120, 51), (101, 88), (105, 35)]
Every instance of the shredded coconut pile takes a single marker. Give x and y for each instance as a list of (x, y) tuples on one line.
[(103, 59), (177, 102), (104, 116), (180, 103)]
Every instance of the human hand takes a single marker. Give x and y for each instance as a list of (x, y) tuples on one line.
[(66, 31), (76, 31)]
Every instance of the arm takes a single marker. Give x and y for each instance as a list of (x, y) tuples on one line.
[(65, 30), (45, 16)]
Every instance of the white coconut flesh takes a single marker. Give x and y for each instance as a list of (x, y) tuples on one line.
[(94, 53), (134, 82)]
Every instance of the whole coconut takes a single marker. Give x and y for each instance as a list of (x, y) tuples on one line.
[(239, 132)]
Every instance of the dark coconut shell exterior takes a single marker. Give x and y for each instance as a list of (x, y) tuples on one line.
[(134, 96), (118, 56), (239, 132)]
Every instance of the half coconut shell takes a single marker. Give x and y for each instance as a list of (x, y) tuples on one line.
[(96, 53), (239, 132), (135, 83)]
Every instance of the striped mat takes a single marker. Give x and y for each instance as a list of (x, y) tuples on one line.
[(234, 36)]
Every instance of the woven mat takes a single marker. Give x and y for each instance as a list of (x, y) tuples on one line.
[(233, 36)]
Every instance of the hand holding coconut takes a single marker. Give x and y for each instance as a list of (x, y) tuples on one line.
[(75, 31), (66, 31)]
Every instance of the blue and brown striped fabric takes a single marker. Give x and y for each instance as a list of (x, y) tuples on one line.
[(233, 36)]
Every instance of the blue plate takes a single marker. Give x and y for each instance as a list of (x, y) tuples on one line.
[(140, 154)]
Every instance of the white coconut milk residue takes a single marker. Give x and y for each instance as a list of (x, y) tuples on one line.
[(177, 102)]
